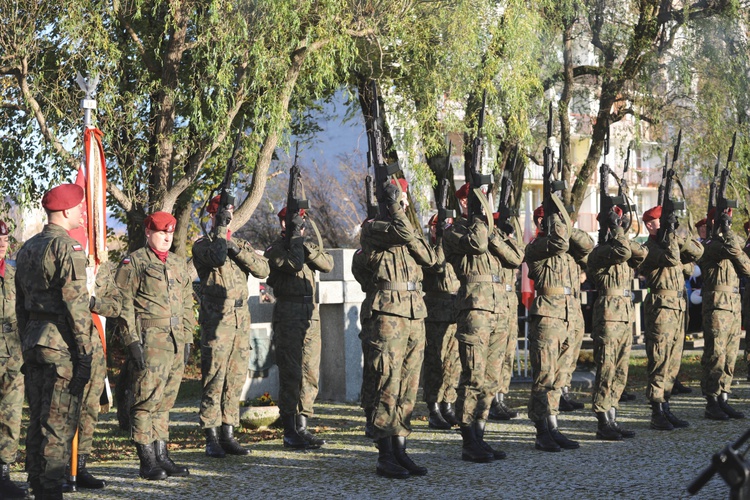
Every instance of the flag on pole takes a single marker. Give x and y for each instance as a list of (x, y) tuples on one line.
[(529, 232)]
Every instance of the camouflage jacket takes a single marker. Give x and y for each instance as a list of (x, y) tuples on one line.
[(51, 282), (397, 254), (610, 267), (107, 297), (722, 264), (292, 277), (467, 249), (223, 290), (510, 271), (156, 296), (10, 342), (364, 277), (663, 268), (440, 286)]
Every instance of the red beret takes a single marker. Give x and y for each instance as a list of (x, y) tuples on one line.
[(213, 205), (617, 210), (401, 182), (747, 226), (62, 197), (3, 228), (700, 223), (496, 215), (432, 221), (651, 214), (712, 213), (539, 212), (161, 221), (463, 192), (282, 212)]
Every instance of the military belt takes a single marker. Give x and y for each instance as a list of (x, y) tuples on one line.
[(50, 317), (485, 278), (400, 286), (299, 299), (232, 302), (669, 293), (440, 295), (558, 290), (615, 292), (9, 327), (724, 288), (160, 322)]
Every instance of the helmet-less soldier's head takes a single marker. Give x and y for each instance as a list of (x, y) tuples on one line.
[(652, 220), (64, 206)]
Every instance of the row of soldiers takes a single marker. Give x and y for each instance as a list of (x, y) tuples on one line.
[(452, 306), (50, 348)]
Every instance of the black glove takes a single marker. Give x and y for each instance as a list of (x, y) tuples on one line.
[(613, 220), (136, 353), (298, 224), (392, 194), (232, 248), (725, 221), (223, 218), (81, 375), (672, 221), (92, 303), (188, 347), (507, 228)]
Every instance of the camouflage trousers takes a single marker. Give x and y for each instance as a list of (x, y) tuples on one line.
[(155, 388), (369, 389), (612, 343), (546, 342), (479, 340), (397, 347), (502, 351), (722, 331), (53, 414), (665, 337), (442, 366), (90, 403), (298, 347), (506, 370), (11, 404), (571, 347), (225, 352)]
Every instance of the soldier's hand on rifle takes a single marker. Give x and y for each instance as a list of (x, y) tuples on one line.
[(298, 224), (232, 248), (725, 221), (613, 220), (392, 194), (136, 354), (507, 229), (81, 375), (673, 222), (223, 218)]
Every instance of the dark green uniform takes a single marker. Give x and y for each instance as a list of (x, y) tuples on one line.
[(55, 326), (225, 323), (157, 311), (364, 276), (506, 368), (11, 359), (296, 321)]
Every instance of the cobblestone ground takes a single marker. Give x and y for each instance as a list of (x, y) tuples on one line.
[(652, 465)]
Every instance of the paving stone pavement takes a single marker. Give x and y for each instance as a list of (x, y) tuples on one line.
[(652, 465)]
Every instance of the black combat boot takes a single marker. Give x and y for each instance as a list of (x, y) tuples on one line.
[(313, 440), (472, 451), (446, 410), (713, 410), (567, 403), (626, 396), (479, 426), (436, 420), (564, 442), (150, 468), (213, 448), (292, 439), (659, 420), (604, 429), (229, 444), (369, 419), (8, 488), (612, 414), (84, 479), (544, 441), (676, 422), (724, 405), (399, 452), (678, 388), (52, 493), (387, 465), (166, 463), (499, 410)]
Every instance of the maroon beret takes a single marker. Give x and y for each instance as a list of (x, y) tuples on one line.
[(401, 182), (617, 210), (161, 221), (539, 212), (700, 223), (463, 192), (652, 213), (213, 205), (62, 197), (282, 212), (712, 213), (3, 228)]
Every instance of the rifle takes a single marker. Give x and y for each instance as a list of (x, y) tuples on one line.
[(477, 201), (669, 205), (712, 196), (226, 199), (606, 201), (622, 191), (660, 193), (372, 204), (295, 197), (722, 203), (383, 171), (505, 209), (551, 184)]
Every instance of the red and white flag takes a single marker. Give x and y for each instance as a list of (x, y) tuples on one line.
[(529, 233)]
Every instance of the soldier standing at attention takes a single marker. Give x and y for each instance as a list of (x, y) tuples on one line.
[(54, 321), (296, 327), (746, 300), (397, 336), (723, 260), (223, 264), (11, 378), (610, 267), (157, 324), (442, 366), (665, 309)]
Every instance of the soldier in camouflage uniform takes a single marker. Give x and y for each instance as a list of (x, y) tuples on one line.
[(157, 323), (610, 267), (296, 327), (52, 307), (553, 258), (665, 309), (11, 378), (223, 264), (746, 301), (442, 366), (722, 264), (397, 335)]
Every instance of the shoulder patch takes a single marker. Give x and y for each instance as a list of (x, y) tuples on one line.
[(126, 260), (77, 247), (269, 248), (359, 251)]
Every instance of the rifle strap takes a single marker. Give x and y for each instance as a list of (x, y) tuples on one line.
[(563, 212), (317, 233), (691, 226), (487, 208)]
